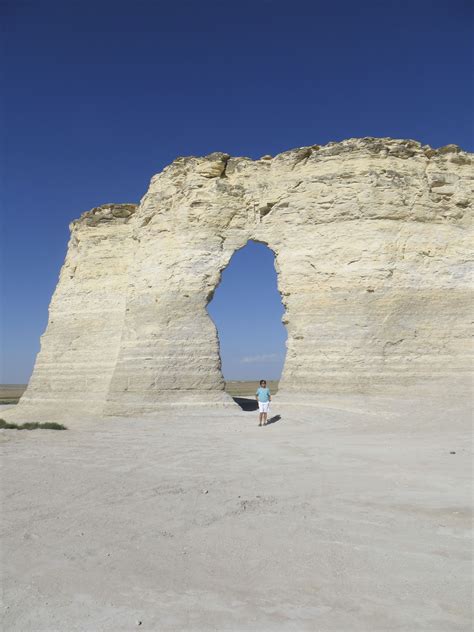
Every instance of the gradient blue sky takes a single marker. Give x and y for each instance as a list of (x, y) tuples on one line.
[(98, 96)]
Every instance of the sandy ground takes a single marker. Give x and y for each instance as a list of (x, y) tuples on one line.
[(333, 518)]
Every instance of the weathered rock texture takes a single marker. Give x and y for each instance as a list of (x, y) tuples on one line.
[(371, 243)]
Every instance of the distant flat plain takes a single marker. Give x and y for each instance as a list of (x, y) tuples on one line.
[(237, 388), (11, 393)]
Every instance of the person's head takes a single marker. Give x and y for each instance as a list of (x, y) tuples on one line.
[(263, 383)]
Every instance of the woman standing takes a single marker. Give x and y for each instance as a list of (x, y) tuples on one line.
[(263, 398)]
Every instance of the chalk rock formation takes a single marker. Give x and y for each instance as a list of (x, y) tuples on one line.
[(371, 244)]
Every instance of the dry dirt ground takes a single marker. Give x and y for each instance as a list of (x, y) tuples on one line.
[(351, 516)]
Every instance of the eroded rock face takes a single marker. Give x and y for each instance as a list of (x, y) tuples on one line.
[(372, 253)]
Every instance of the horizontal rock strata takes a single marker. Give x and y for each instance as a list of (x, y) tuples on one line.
[(371, 242)]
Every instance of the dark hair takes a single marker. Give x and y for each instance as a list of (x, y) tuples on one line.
[(263, 381)]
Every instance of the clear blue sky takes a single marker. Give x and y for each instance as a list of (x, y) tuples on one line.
[(99, 95), (247, 311)]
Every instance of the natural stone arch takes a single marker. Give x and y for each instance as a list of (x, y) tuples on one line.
[(371, 241)]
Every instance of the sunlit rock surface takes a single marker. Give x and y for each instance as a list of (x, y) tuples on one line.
[(371, 238)]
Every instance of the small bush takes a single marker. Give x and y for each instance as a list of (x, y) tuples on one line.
[(32, 425)]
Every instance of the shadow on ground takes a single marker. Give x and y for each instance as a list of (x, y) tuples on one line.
[(273, 419), (246, 403)]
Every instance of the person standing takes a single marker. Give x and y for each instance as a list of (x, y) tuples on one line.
[(263, 398)]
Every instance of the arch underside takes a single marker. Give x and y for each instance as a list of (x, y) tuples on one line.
[(372, 264)]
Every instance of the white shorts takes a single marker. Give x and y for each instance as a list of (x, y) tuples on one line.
[(263, 407)]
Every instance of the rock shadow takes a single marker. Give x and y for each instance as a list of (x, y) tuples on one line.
[(246, 403)]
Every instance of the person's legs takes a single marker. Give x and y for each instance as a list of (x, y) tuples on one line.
[(260, 410), (265, 412)]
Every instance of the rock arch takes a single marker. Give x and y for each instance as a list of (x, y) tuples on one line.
[(371, 238)]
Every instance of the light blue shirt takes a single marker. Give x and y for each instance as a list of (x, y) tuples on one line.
[(263, 394)]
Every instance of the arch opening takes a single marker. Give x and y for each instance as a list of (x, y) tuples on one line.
[(247, 310)]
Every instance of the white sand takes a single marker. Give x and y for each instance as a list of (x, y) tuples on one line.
[(329, 519)]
